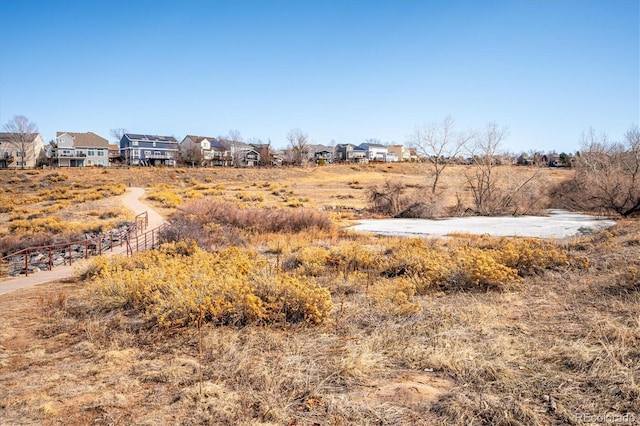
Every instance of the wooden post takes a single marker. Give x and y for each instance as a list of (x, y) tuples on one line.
[(26, 263), (50, 259)]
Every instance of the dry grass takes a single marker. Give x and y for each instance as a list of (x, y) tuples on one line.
[(563, 342)]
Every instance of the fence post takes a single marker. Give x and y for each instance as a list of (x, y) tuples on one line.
[(26, 263), (50, 259), (70, 256), (86, 249)]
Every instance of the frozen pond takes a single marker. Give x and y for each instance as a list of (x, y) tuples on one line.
[(557, 224)]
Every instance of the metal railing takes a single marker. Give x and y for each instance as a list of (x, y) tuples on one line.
[(134, 238)]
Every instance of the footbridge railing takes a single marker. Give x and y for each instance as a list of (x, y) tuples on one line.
[(127, 240)]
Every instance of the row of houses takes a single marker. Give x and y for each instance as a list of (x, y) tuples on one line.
[(88, 149), (72, 149)]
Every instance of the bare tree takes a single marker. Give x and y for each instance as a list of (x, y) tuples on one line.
[(499, 192), (193, 155), (439, 143), (482, 182), (21, 134), (389, 198), (118, 133), (298, 146), (607, 175), (236, 142)]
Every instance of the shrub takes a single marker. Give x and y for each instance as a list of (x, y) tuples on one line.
[(394, 296), (353, 257), (180, 284), (479, 268), (425, 266), (309, 260), (195, 218), (607, 176), (389, 199), (47, 224), (57, 177), (530, 256), (167, 198)]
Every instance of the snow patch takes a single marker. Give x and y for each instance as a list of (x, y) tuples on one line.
[(557, 224)]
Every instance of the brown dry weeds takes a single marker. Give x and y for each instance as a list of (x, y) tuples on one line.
[(564, 343)]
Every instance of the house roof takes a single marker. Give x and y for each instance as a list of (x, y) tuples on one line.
[(198, 139), (10, 137), (88, 139), (114, 147), (373, 145), (149, 138), (236, 144)]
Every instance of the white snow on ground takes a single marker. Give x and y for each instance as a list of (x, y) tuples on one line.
[(557, 224)]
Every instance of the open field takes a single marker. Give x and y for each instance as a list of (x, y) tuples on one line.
[(471, 330)]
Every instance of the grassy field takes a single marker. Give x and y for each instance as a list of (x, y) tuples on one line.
[(468, 330)]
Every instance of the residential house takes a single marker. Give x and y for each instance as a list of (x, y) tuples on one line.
[(321, 154), (242, 154), (80, 150), (265, 154), (375, 151), (350, 153), (413, 154), (20, 150), (204, 150), (114, 153), (398, 153), (149, 150)]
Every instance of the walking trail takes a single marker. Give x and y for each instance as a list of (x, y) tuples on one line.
[(130, 200)]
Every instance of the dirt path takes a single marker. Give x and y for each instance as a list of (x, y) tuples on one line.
[(131, 200)]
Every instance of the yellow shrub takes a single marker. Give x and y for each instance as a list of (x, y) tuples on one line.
[(6, 204), (46, 224), (352, 257), (244, 196), (530, 256), (395, 296), (180, 284), (425, 266), (477, 267), (167, 198), (309, 260), (192, 193)]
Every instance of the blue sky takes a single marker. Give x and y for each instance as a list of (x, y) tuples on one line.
[(341, 71)]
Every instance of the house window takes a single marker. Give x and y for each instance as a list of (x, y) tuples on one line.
[(100, 153), (134, 143), (21, 163), (147, 154), (91, 153), (21, 154), (136, 153), (157, 153)]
